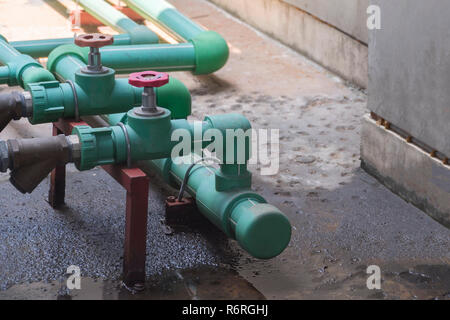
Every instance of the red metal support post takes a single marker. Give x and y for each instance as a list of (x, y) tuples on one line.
[(57, 190), (136, 183)]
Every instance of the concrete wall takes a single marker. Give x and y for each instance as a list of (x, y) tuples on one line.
[(409, 86), (409, 67), (349, 16), (340, 52), (407, 170)]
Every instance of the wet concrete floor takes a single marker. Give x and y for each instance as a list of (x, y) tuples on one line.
[(343, 219)]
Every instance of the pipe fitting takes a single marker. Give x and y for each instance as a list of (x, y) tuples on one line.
[(68, 49), (31, 160), (14, 106), (211, 52), (22, 68)]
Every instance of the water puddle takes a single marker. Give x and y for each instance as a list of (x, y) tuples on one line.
[(191, 284)]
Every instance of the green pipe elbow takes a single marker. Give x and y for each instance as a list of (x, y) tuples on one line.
[(34, 74), (64, 50), (211, 52), (18, 64), (175, 97)]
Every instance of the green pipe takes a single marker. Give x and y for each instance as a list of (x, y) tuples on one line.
[(42, 48), (132, 33), (4, 74), (211, 50), (117, 20), (260, 228), (199, 57), (22, 68), (95, 94), (205, 53), (168, 15), (158, 57), (149, 138)]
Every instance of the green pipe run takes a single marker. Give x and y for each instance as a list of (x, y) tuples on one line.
[(204, 53), (42, 48), (260, 228), (95, 94), (117, 20)]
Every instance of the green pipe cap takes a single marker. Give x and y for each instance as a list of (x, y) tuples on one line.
[(263, 231)]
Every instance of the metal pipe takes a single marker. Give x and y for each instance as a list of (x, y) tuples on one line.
[(31, 160)]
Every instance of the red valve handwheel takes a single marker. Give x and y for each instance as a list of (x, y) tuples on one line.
[(95, 40), (148, 79)]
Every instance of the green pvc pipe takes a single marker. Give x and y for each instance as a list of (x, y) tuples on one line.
[(211, 50), (96, 94), (42, 48), (158, 57), (22, 68), (118, 21), (205, 53), (168, 15), (4, 74), (260, 228)]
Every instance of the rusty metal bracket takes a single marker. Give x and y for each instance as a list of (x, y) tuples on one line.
[(136, 184), (181, 213)]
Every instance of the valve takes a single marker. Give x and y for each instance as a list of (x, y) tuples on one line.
[(94, 41), (148, 80)]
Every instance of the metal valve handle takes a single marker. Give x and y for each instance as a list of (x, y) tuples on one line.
[(94, 41), (148, 80)]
